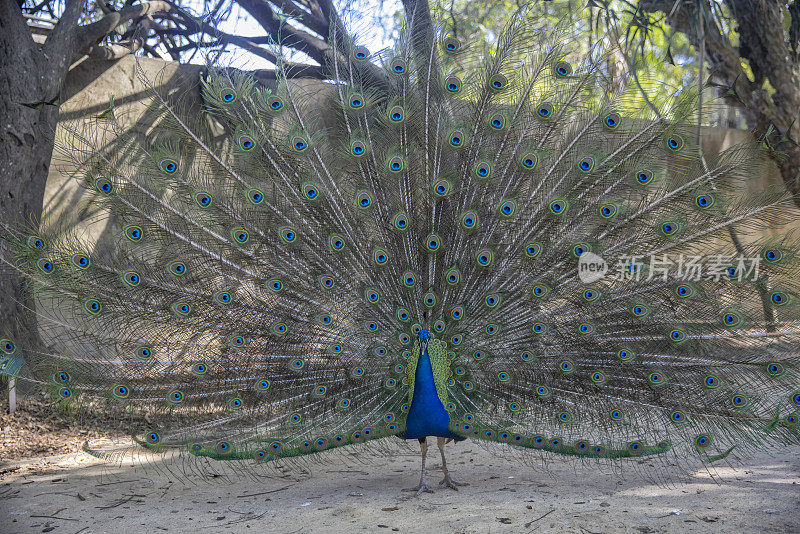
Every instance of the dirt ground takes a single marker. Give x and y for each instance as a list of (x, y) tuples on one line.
[(75, 493)]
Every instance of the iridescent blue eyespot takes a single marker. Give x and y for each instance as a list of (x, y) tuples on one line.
[(685, 291), (275, 103), (704, 201), (644, 176), (775, 369), (104, 185), (398, 66), (45, 265), (773, 255), (246, 142), (92, 306), (545, 110), (356, 101), (240, 235), (133, 233), (484, 257), (498, 82), (612, 121), (483, 169), (712, 382), (558, 206), (169, 165), (299, 144), (563, 69), (677, 335), (203, 199), (36, 242), (731, 319), (779, 298), (255, 195), (451, 44), (9, 347), (675, 142), (452, 84), (529, 160), (670, 228), (360, 53)]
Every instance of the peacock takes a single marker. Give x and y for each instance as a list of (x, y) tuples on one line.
[(500, 242)]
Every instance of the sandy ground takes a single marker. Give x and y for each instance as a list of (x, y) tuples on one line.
[(78, 494)]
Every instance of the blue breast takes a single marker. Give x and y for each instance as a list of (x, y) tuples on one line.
[(426, 416)]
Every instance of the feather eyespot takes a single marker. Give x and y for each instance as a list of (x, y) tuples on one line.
[(675, 142), (457, 139), (203, 199), (484, 257), (169, 165), (558, 206), (45, 265), (131, 278), (451, 44), (483, 170), (497, 121), (453, 276), (704, 201), (255, 195), (246, 143), (644, 176), (396, 114), (280, 329), (92, 306), (356, 101), (563, 69), (80, 260), (545, 110), (507, 208), (442, 187), (529, 161), (104, 185), (398, 66), (380, 256), (133, 233), (299, 144), (612, 121), (228, 96), (433, 243), (35, 242), (498, 82), (240, 236), (586, 164)]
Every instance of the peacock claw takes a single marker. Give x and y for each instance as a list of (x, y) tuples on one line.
[(420, 489), (448, 482)]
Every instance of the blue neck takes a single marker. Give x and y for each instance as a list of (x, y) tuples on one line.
[(426, 416)]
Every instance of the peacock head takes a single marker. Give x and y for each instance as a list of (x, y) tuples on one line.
[(423, 335)]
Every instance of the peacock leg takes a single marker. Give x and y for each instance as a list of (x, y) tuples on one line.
[(447, 482), (423, 486)]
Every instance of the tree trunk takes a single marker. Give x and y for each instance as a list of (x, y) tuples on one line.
[(30, 82)]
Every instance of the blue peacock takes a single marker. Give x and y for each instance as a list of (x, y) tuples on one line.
[(398, 256)]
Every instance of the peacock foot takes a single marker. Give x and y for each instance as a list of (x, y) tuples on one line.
[(448, 482), (420, 488)]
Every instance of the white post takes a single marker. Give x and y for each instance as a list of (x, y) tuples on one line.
[(12, 394)]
